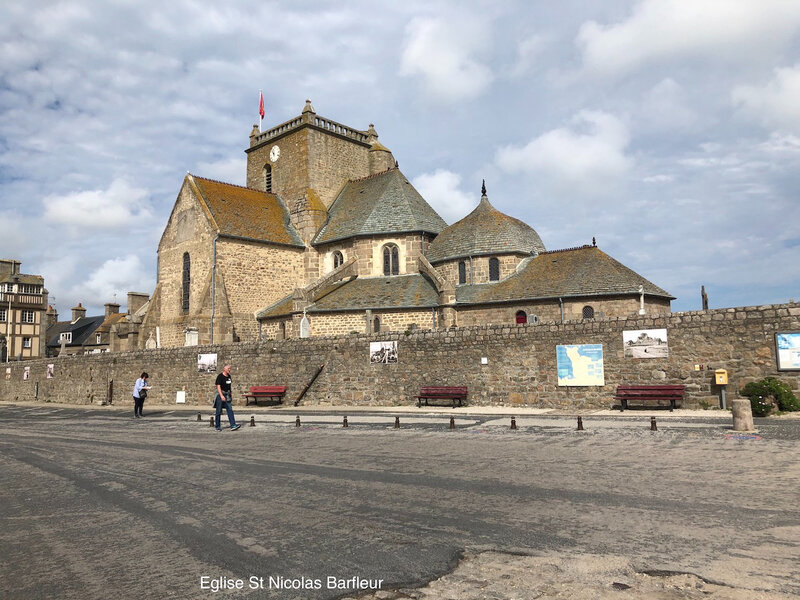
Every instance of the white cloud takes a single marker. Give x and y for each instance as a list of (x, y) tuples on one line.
[(444, 53), (774, 104), (117, 275), (587, 156), (231, 170), (658, 30), (442, 190), (117, 206), (665, 108), (528, 52)]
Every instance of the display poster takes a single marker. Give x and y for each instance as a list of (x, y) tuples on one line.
[(206, 363), (383, 352), (645, 343), (787, 350), (580, 365), (26, 373), (51, 369)]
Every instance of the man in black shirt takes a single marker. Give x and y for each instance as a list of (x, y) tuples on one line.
[(223, 397)]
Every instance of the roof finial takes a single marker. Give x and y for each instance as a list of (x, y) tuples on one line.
[(594, 242), (483, 187)]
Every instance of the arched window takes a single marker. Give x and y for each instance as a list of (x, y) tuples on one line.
[(391, 260), (494, 269), (376, 325), (282, 330), (187, 280), (268, 178), (338, 259), (522, 318), (462, 272), (588, 312)]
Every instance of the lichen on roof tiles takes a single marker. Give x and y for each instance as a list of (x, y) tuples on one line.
[(379, 204), (247, 213)]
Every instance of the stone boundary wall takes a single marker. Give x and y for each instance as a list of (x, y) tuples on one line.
[(521, 367)]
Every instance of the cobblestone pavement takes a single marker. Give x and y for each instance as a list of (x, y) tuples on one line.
[(95, 504)]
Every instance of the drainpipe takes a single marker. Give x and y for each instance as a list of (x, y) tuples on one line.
[(561, 301), (213, 283)]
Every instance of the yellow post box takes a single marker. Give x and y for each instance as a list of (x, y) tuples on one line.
[(721, 377)]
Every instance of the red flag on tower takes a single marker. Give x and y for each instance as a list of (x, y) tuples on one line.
[(260, 108)]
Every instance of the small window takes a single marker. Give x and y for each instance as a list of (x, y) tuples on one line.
[(65, 337), (3, 315), (391, 260), (588, 312), (28, 316), (268, 178), (97, 338), (376, 325), (462, 272), (26, 342), (187, 280), (494, 269), (338, 259), (521, 317)]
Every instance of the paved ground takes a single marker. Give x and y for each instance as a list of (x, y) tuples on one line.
[(95, 504)]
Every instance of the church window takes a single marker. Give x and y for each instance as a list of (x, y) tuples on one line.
[(521, 318), (376, 325), (391, 260), (494, 269), (462, 272), (186, 281), (588, 312), (338, 259), (268, 178)]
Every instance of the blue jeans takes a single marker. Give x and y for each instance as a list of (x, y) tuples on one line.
[(218, 404)]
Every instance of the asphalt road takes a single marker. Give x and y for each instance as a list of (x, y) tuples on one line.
[(95, 504)]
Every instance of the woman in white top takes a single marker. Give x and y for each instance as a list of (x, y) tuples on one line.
[(139, 394)]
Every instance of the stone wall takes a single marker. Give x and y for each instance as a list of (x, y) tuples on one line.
[(521, 367)]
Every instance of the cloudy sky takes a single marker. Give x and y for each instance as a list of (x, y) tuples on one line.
[(667, 129)]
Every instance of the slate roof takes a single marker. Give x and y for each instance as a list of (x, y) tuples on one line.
[(246, 213), (81, 330), (375, 293), (378, 204), (22, 278), (112, 319), (583, 271), (484, 231)]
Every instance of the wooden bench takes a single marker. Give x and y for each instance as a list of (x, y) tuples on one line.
[(276, 392), (442, 392), (644, 394)]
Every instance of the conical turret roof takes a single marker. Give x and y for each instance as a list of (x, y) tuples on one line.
[(484, 231)]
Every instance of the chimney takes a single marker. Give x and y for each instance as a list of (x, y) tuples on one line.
[(136, 300), (51, 316), (112, 308), (78, 312), (9, 266)]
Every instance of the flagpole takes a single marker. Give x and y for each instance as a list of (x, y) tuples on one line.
[(260, 104)]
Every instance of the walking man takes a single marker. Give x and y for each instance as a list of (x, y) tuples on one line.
[(223, 397)]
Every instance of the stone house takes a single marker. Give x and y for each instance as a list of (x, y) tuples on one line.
[(329, 237), (23, 300)]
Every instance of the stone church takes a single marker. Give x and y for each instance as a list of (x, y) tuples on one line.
[(329, 237)]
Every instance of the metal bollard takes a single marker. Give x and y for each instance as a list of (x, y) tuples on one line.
[(211, 421), (199, 417), (653, 426), (397, 422), (513, 422), (452, 423), (252, 420), (344, 422), (297, 421), (580, 424)]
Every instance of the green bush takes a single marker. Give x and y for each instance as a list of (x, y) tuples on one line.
[(768, 394)]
